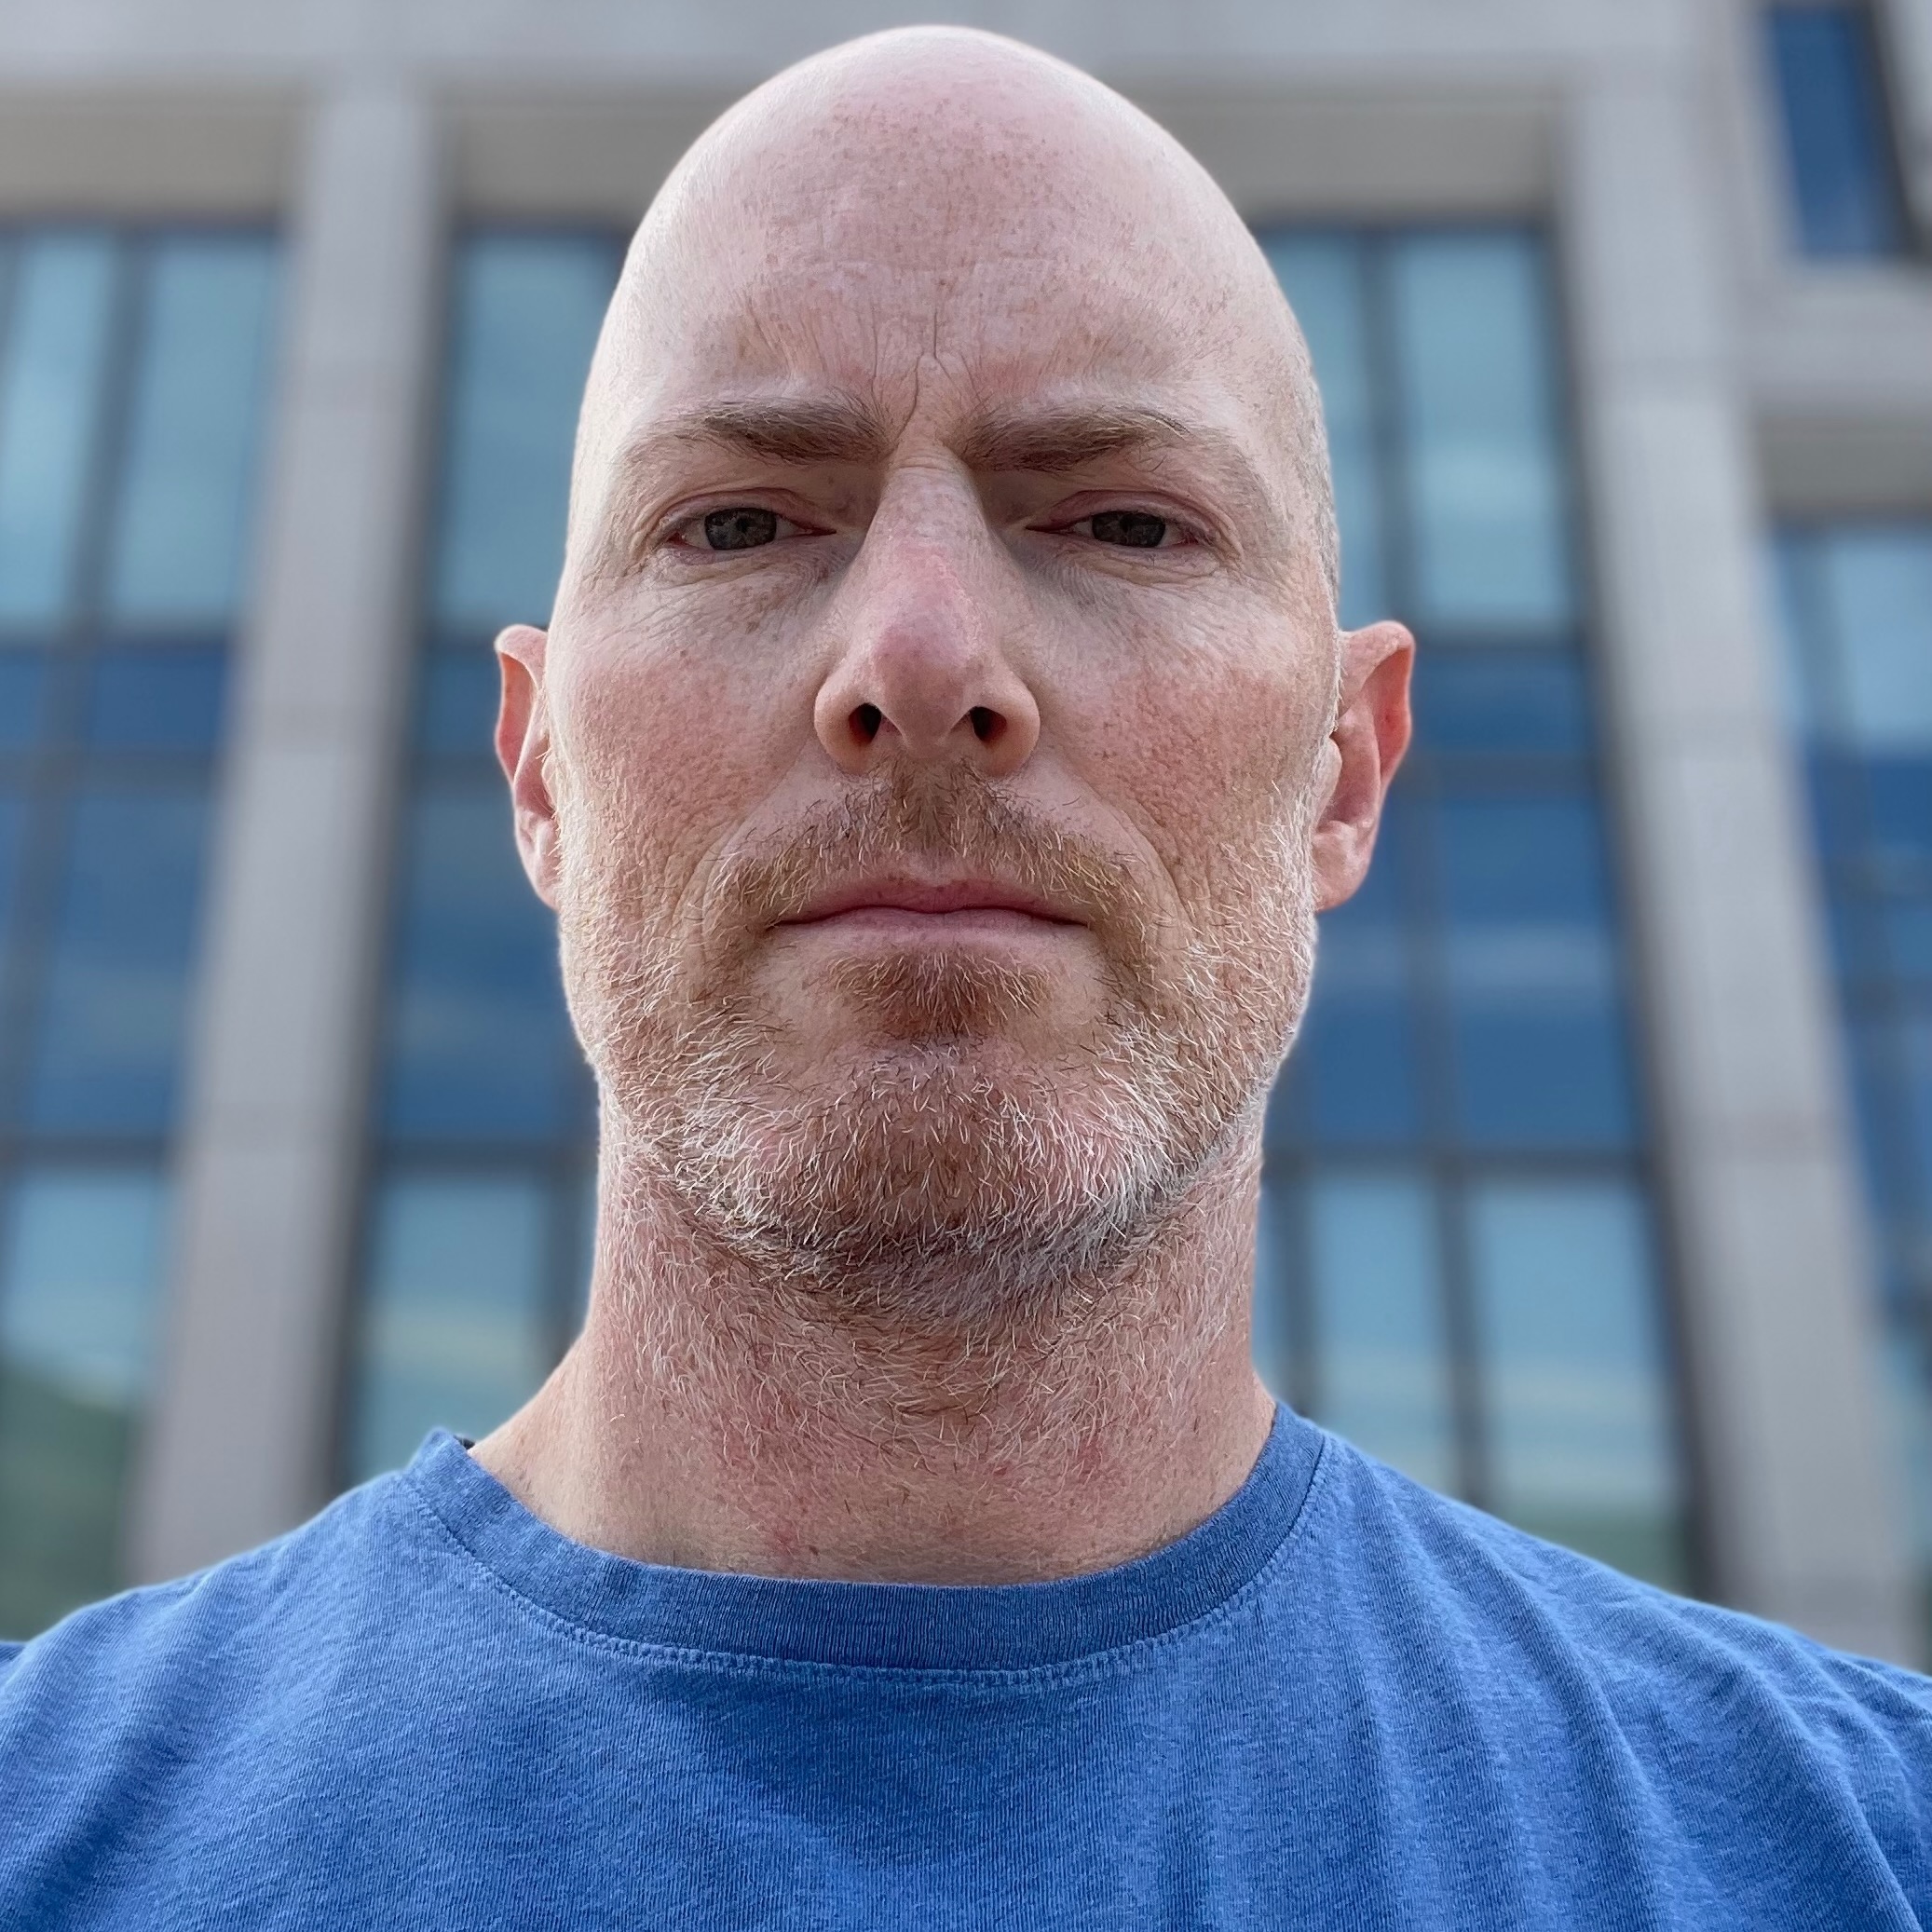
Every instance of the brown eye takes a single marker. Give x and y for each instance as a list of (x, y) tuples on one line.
[(1135, 529), (740, 528)]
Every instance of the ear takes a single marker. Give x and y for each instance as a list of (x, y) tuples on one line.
[(1370, 735), (523, 749)]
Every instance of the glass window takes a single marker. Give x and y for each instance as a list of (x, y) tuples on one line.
[(79, 1268), (1838, 138), (53, 356), (1537, 1035), (1856, 599), (1324, 277), (133, 373), (456, 1327), (527, 311), (186, 489), (480, 1046), (484, 1128), (1579, 1440), (1482, 474), (1469, 1022), (1375, 1265)]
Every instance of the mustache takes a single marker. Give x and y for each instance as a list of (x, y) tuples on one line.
[(957, 821)]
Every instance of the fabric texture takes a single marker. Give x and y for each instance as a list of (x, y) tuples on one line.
[(1341, 1702)]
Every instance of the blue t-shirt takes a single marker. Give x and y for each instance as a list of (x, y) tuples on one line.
[(1341, 1702)]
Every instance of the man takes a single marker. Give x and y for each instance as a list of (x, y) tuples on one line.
[(941, 751)]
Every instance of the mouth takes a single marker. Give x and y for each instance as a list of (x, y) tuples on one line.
[(924, 910)]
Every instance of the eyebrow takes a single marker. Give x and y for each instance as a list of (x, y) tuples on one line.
[(1049, 439)]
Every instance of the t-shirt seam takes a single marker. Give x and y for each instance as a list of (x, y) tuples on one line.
[(1117, 1659)]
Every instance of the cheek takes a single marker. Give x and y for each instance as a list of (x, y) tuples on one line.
[(676, 730), (1203, 742)]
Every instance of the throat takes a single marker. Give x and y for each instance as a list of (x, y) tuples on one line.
[(716, 1415)]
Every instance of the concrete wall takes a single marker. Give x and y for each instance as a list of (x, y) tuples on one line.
[(1717, 379)]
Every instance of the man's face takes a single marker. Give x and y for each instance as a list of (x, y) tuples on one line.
[(936, 730)]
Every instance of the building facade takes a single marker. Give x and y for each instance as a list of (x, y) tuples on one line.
[(1600, 1190)]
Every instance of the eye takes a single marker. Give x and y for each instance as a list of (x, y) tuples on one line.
[(1132, 529), (739, 526)]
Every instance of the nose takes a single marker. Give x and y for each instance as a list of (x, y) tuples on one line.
[(924, 673)]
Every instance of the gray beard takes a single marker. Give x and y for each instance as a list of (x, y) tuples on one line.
[(933, 1181)]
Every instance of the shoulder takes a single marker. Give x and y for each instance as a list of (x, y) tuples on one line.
[(135, 1720), (1693, 1699)]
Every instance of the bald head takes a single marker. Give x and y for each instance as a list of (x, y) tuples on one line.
[(900, 187)]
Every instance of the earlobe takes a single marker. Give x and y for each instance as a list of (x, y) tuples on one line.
[(523, 741)]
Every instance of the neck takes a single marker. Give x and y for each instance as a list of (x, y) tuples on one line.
[(715, 1418)]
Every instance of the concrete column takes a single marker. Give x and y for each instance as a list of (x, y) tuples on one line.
[(238, 1446), (1780, 1331), (1907, 42)]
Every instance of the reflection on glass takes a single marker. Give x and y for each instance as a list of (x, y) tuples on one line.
[(480, 1046), (181, 536), (1537, 1031), (53, 353), (1377, 1320), (455, 1327), (1323, 277), (1566, 1312), (1876, 588), (527, 311), (82, 1257), (1838, 142), (116, 980), (1483, 477)]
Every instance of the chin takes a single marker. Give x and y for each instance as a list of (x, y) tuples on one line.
[(940, 1182)]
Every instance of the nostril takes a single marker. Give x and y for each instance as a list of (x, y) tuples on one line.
[(986, 723), (866, 720)]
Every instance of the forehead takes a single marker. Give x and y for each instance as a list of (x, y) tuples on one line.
[(906, 329)]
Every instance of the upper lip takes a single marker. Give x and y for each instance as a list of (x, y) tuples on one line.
[(929, 895)]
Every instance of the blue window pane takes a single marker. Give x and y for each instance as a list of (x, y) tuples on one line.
[(480, 1046), (455, 1330), (1379, 1337), (1578, 1425), (1515, 700), (1899, 797), (78, 1285), (156, 698), (116, 985), (1837, 136), (181, 536), (83, 1256), (1275, 1274), (1322, 276), (22, 688), (1484, 471), (1537, 1033), (1355, 1065), (12, 819), (1916, 1077), (527, 312), (53, 356), (1875, 586), (456, 707)]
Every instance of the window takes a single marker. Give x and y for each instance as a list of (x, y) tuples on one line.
[(1856, 598), (1457, 1266), (477, 1239), (1840, 159), (133, 367)]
